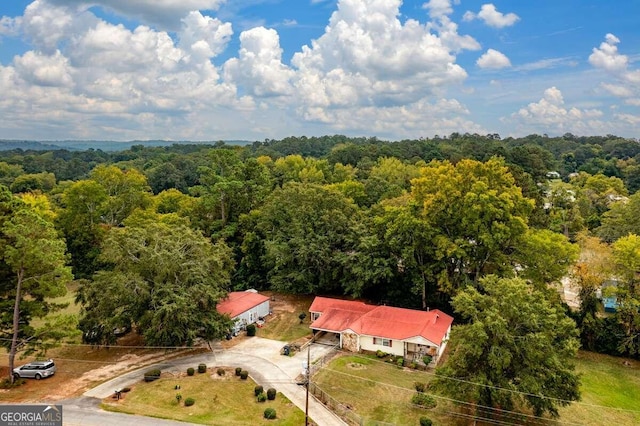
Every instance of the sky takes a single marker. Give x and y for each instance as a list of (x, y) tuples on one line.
[(211, 70)]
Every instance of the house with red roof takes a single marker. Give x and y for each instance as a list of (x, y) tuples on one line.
[(409, 333), (244, 307)]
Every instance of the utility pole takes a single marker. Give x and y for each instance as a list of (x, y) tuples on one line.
[(308, 381)]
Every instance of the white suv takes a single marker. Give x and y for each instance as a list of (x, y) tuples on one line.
[(35, 370)]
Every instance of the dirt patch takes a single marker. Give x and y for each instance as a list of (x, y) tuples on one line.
[(123, 364)]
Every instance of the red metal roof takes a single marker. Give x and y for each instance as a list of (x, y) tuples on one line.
[(238, 302), (381, 321), (321, 304)]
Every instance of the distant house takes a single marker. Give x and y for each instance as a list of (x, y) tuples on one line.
[(244, 307), (409, 333)]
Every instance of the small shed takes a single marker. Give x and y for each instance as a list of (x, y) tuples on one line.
[(244, 307)]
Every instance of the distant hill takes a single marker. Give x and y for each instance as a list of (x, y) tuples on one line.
[(75, 145)]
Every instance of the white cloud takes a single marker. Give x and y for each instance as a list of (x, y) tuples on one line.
[(617, 90), (204, 36), (607, 56), (165, 14), (493, 59), (9, 26), (440, 8), (368, 57), (259, 67), (490, 16), (551, 115), (549, 63), (369, 72)]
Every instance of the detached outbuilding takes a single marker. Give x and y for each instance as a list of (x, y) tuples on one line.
[(244, 307)]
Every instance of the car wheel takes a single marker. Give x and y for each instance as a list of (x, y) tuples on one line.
[(16, 376), (38, 376)]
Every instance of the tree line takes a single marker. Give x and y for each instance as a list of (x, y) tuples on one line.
[(470, 224)]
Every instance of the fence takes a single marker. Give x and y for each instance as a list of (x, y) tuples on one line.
[(341, 410)]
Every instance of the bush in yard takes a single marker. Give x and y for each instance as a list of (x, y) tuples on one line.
[(202, 368), (413, 365), (262, 397), (178, 397), (400, 362), (220, 372), (423, 400), (251, 330), (238, 371), (425, 421), (125, 390), (151, 375), (190, 371), (271, 394), (244, 374), (189, 402), (258, 390), (302, 316), (380, 354), (269, 413), (420, 387), (427, 359)]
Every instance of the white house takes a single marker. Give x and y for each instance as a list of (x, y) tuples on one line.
[(409, 333), (244, 307)]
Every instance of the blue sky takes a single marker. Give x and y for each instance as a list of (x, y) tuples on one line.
[(256, 69)]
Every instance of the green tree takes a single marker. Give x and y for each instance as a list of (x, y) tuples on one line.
[(626, 257), (479, 216), (622, 219), (165, 279), (306, 234), (32, 269), (516, 349)]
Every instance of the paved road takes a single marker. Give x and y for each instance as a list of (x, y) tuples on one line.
[(260, 357)]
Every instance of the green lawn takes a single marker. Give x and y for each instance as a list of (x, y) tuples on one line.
[(68, 299), (284, 323), (219, 401), (606, 381), (381, 392)]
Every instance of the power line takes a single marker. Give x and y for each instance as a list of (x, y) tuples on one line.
[(510, 390)]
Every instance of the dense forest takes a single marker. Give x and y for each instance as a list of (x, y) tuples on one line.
[(155, 236)]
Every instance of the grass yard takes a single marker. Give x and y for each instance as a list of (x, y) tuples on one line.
[(225, 400), (351, 379), (284, 323), (606, 381)]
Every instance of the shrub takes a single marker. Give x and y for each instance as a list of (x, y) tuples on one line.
[(244, 374), (251, 330), (423, 400), (202, 368), (125, 390), (302, 316), (220, 372), (420, 387), (413, 365), (6, 383), (400, 362), (151, 375), (380, 354), (178, 397), (427, 359), (190, 371), (271, 394), (261, 397), (258, 390), (269, 413), (425, 421), (189, 402), (238, 371)]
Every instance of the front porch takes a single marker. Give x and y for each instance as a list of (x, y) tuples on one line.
[(415, 352)]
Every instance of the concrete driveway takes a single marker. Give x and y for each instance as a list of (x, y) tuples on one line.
[(260, 357)]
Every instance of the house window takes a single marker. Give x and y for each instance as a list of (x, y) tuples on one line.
[(382, 342)]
